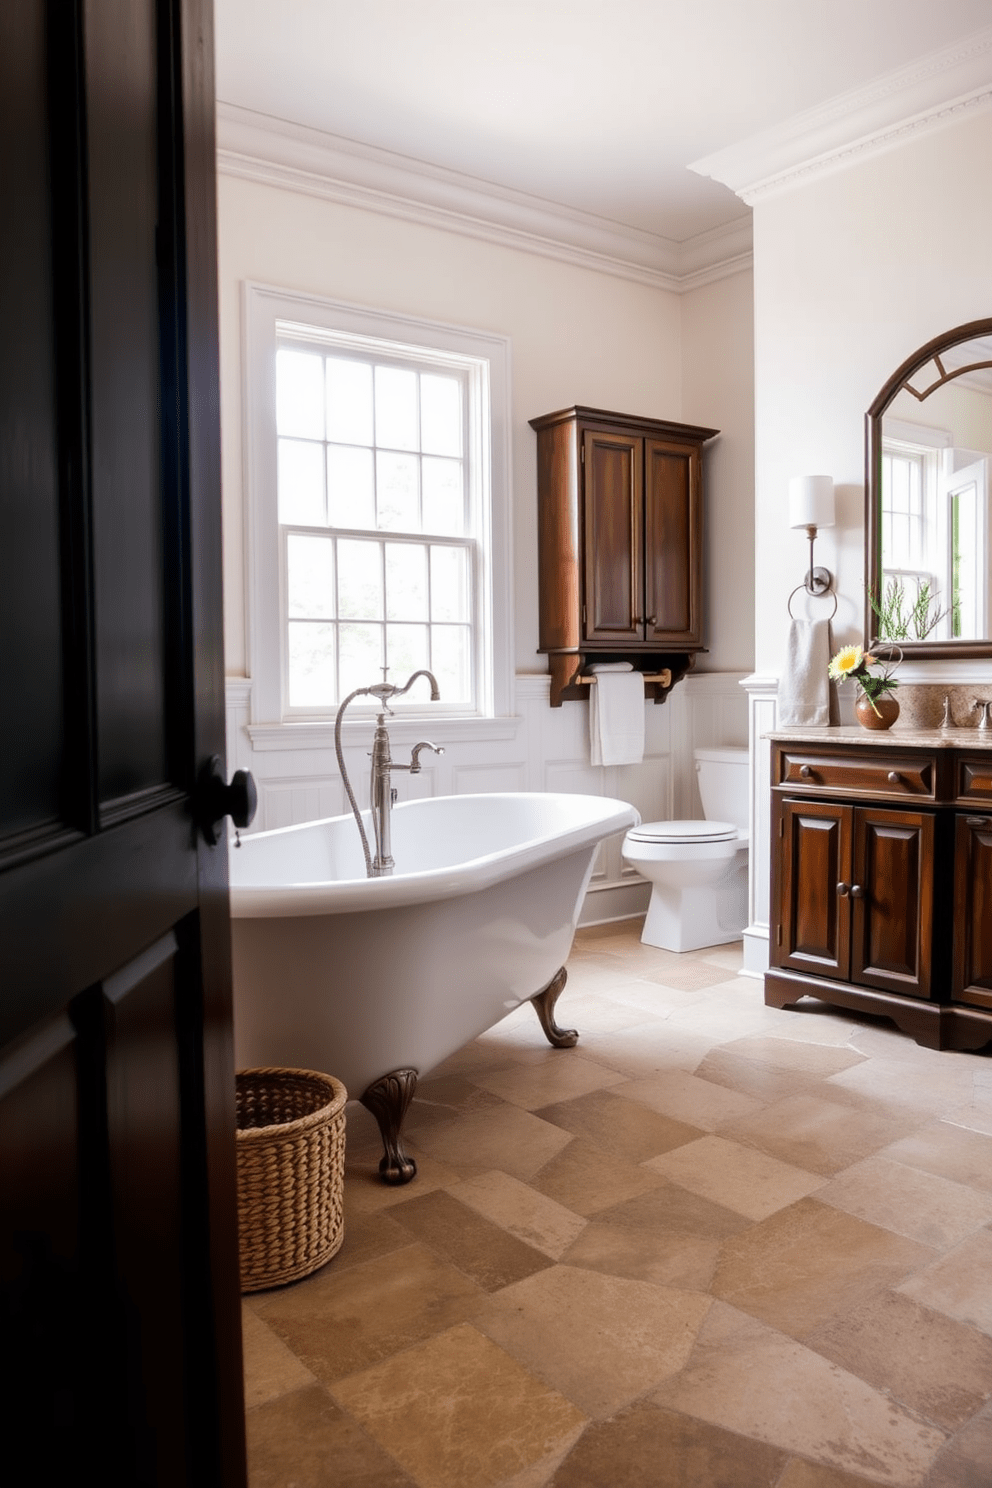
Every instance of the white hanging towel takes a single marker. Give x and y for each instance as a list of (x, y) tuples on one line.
[(804, 687), (616, 714)]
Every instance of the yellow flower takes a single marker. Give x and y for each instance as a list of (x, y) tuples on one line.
[(847, 661)]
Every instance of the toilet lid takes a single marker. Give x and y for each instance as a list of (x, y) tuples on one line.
[(683, 831)]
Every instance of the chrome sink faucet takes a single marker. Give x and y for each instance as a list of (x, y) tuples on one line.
[(382, 794)]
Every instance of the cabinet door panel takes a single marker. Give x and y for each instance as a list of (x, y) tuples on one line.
[(892, 927), (814, 917), (613, 537), (672, 541), (973, 910)]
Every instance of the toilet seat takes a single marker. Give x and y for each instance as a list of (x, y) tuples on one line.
[(684, 831)]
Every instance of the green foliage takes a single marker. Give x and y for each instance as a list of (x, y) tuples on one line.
[(899, 618)]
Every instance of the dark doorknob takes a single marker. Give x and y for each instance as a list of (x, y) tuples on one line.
[(214, 800)]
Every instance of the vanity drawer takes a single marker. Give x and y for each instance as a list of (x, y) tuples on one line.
[(859, 774), (974, 777)]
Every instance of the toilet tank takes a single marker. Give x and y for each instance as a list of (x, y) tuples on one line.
[(722, 775)]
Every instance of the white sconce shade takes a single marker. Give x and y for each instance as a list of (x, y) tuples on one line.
[(811, 501)]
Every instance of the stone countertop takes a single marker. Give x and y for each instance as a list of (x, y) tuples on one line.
[(893, 738)]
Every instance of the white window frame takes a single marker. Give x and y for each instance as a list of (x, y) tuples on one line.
[(487, 356)]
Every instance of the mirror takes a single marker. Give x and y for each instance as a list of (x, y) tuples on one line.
[(928, 520)]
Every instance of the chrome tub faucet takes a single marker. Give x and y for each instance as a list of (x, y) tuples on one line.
[(382, 794)]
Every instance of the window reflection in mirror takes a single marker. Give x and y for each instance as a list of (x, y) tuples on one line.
[(930, 530)]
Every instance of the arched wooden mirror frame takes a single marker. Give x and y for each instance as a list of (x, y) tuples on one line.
[(936, 650)]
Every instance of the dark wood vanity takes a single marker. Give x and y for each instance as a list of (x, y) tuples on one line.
[(620, 523), (881, 892)]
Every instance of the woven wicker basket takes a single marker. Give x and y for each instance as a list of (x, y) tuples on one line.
[(290, 1144)]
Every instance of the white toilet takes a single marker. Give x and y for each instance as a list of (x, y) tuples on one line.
[(698, 869)]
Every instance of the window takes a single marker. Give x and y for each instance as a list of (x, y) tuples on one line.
[(379, 505)]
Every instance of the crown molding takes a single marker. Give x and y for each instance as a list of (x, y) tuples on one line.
[(910, 102), (296, 158)]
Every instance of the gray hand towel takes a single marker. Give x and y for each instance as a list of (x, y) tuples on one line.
[(804, 687)]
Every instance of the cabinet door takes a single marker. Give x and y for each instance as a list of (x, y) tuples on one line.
[(813, 879), (672, 543), (892, 900), (972, 974), (613, 534)]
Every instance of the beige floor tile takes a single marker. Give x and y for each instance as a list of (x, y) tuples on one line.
[(691, 976), (814, 1132), (368, 1229), (669, 1209), (763, 1082), (518, 1208), (271, 1369), (909, 1201), (586, 1179), (673, 1260), (457, 1410), (365, 1193), (647, 1447), (650, 1048), (886, 1084), (746, 1377), (801, 1474), (810, 1264), (958, 1283), (508, 1138), (688, 1098), (949, 1150), (446, 1097), (937, 1367), (964, 1462), (717, 1016), (561, 1078), (625, 1129), (975, 1113), (337, 1323), (305, 1440), (794, 1054), (601, 1340), (491, 1256), (655, 998), (730, 955), (737, 1177)]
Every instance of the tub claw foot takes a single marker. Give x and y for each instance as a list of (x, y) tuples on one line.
[(388, 1099), (544, 1006)]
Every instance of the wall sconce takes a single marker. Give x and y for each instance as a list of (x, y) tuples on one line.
[(811, 505)]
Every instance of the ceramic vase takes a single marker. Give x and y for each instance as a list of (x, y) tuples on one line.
[(888, 711)]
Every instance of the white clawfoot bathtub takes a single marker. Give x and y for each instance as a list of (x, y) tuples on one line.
[(376, 980)]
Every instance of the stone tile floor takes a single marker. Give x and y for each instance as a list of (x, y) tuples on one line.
[(716, 1244)]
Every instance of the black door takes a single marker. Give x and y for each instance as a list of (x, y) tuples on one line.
[(118, 1247)]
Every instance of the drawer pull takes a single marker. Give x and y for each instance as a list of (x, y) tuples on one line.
[(894, 777), (843, 890), (857, 892), (805, 771), (978, 821)]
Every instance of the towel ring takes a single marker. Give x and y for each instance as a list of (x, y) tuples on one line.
[(833, 596)]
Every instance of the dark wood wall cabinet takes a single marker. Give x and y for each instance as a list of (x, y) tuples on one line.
[(881, 896), (620, 524)]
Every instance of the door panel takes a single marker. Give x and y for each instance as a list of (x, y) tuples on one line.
[(612, 536), (672, 542), (118, 1247), (814, 917), (973, 910), (892, 926)]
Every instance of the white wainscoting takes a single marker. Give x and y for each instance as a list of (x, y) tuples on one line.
[(762, 695), (539, 748)]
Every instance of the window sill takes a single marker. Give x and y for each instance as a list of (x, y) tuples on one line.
[(408, 729)]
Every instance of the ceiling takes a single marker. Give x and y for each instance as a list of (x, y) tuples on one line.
[(598, 106)]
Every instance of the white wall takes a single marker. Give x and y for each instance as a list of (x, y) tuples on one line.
[(578, 336), (718, 392)]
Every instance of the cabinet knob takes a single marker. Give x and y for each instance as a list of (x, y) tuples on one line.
[(651, 620), (894, 777), (805, 771), (843, 890), (857, 892)]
